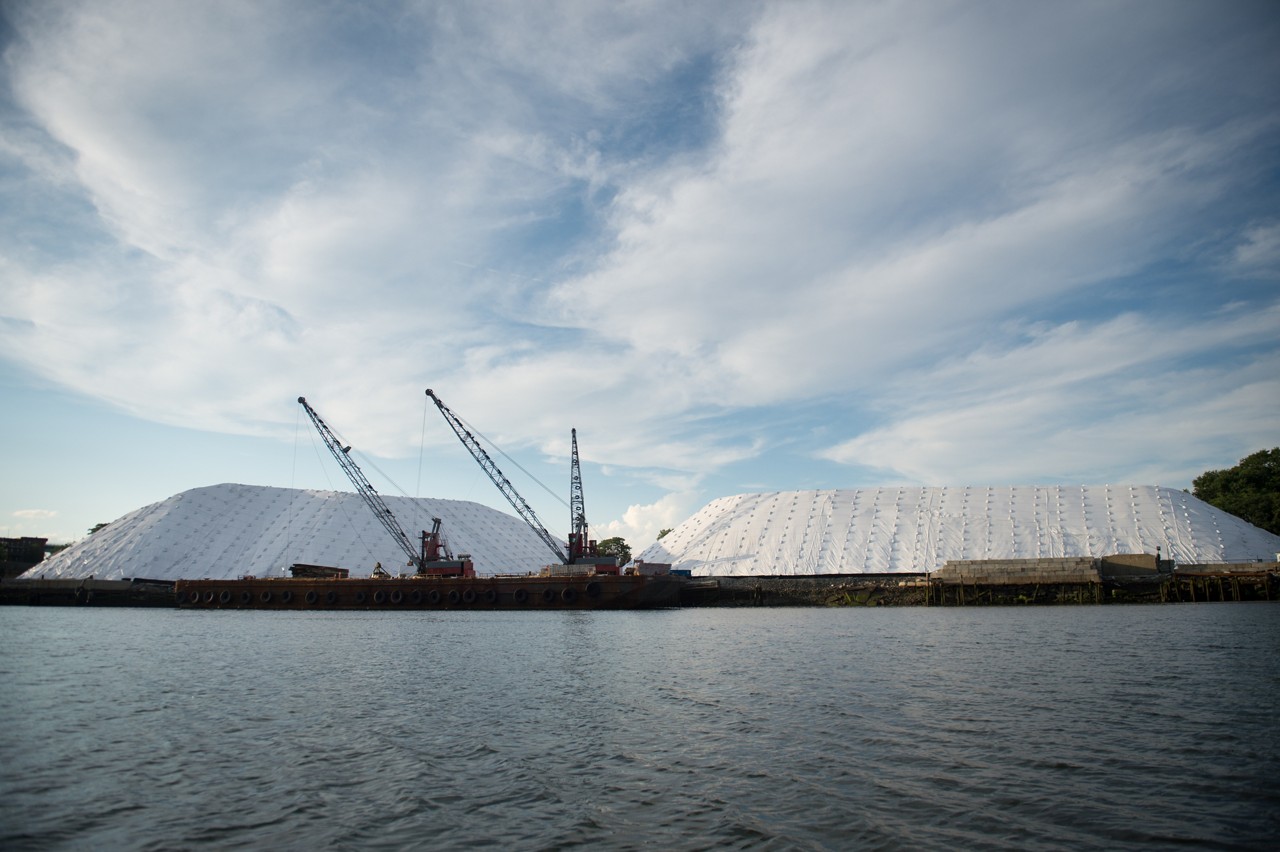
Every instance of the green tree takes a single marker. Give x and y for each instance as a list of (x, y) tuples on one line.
[(615, 546), (1250, 490), (663, 533)]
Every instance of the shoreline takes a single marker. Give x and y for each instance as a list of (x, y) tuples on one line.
[(1136, 579)]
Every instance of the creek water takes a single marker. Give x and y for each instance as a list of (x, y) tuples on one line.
[(1018, 728)]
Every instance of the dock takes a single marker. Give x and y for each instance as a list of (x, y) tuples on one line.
[(1124, 578), (87, 592)]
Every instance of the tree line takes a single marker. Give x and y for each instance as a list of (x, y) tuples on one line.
[(1250, 490)]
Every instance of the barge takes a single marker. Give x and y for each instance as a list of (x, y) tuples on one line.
[(531, 592)]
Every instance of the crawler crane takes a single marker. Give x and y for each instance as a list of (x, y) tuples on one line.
[(582, 551), (432, 558)]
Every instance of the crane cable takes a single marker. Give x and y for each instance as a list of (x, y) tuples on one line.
[(503, 453)]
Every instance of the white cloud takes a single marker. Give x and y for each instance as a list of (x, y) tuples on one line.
[(1076, 403), (35, 514), (640, 524), (770, 270), (1259, 253), (372, 241), (36, 523)]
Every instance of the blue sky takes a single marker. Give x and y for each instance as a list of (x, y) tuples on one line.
[(739, 246)]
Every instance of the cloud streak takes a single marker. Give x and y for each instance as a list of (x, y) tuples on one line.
[(1127, 394)]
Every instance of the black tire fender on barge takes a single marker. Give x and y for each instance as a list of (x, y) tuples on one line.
[(397, 596), (265, 597), (593, 589), (331, 597), (434, 596), (522, 596), (548, 595), (380, 597), (311, 596), (569, 595), (225, 597)]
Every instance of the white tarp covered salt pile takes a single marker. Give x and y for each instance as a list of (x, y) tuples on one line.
[(226, 531), (890, 530)]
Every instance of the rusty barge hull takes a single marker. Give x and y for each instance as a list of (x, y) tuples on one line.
[(448, 593)]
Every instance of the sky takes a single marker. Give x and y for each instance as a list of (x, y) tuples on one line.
[(739, 246)]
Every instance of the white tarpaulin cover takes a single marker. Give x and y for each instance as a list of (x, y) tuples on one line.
[(885, 530), (226, 531)]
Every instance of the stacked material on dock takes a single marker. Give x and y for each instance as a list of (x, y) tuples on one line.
[(1227, 569), (1012, 572)]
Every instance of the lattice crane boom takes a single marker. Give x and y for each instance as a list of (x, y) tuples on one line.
[(365, 489), (523, 509), (578, 544)]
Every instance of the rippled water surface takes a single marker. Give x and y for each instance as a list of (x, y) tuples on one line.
[(1077, 727)]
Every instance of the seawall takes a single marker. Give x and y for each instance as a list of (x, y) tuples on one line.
[(1123, 578)]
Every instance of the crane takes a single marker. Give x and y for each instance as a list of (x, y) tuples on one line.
[(579, 543), (428, 558), (523, 509), (582, 551)]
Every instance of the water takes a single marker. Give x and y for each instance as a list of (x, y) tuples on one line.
[(1070, 727)]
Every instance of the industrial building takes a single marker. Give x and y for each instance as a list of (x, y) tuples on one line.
[(919, 529)]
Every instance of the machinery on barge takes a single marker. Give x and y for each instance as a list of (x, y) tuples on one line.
[(582, 579)]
